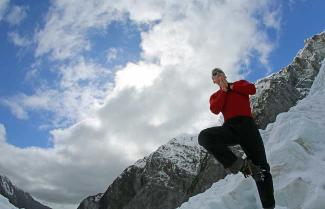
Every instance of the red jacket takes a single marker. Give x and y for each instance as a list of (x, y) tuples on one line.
[(234, 102)]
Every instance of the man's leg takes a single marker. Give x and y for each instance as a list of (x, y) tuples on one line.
[(216, 141), (253, 146)]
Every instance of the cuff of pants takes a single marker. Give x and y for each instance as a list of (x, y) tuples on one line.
[(236, 166)]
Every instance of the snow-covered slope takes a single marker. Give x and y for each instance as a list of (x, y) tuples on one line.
[(18, 197), (5, 204), (295, 148)]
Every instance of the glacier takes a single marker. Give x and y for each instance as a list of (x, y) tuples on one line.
[(295, 149), (5, 204)]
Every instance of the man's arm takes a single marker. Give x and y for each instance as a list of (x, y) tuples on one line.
[(243, 87), (217, 101)]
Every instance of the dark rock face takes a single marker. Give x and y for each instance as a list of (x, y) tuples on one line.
[(163, 180), (182, 168), (17, 197), (282, 90), (91, 201)]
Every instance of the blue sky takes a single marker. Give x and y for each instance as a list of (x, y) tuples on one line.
[(299, 21), (89, 87), (16, 61)]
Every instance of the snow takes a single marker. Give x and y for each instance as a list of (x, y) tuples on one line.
[(5, 204), (295, 150), (182, 151), (141, 163)]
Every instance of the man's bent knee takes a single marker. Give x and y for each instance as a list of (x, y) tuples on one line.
[(202, 138)]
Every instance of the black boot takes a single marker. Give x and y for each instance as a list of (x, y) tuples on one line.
[(236, 166), (249, 169)]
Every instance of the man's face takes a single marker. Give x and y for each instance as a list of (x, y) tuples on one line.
[(216, 79)]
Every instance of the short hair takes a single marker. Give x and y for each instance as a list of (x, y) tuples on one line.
[(216, 71)]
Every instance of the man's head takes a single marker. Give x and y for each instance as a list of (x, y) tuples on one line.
[(217, 73)]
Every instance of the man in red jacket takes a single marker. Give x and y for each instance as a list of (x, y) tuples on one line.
[(232, 100)]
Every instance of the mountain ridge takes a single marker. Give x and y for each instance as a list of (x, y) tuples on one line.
[(139, 185), (290, 84), (18, 197)]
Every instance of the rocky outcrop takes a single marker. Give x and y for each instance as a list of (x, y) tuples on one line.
[(280, 91), (91, 201), (163, 180), (181, 168), (18, 197)]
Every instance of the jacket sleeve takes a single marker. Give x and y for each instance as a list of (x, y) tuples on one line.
[(244, 87), (217, 101)]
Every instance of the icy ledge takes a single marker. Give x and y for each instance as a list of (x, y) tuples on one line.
[(5, 204), (295, 148)]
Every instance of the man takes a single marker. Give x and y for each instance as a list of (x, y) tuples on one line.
[(232, 100)]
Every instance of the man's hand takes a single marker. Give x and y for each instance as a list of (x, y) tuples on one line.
[(223, 84), (221, 81)]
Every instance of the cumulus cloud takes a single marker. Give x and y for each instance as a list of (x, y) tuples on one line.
[(143, 104), (16, 15), (67, 22), (45, 172)]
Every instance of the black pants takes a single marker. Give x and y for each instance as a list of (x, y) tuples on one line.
[(240, 130)]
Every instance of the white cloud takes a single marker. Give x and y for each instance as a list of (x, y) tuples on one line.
[(137, 75), (65, 167), (15, 108), (164, 94), (16, 15), (63, 35), (3, 8), (81, 89), (18, 40), (142, 11)]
